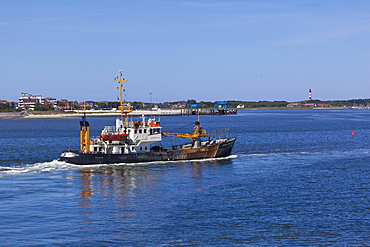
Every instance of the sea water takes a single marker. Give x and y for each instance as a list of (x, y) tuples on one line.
[(296, 177)]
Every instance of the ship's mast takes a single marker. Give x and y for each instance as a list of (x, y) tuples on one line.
[(124, 107)]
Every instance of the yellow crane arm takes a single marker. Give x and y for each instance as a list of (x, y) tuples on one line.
[(198, 132), (191, 136)]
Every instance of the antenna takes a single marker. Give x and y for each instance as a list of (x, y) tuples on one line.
[(151, 101), (150, 95)]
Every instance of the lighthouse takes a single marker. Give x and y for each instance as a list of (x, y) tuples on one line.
[(309, 94)]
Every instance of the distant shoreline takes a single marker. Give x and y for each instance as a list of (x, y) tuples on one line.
[(26, 115)]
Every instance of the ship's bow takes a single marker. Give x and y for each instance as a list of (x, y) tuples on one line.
[(226, 147)]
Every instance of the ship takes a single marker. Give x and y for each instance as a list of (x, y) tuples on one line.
[(140, 141)]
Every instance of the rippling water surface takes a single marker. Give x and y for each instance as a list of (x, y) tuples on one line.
[(295, 178)]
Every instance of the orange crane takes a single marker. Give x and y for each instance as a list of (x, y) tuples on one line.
[(198, 132)]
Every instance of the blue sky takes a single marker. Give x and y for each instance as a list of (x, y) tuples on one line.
[(204, 50)]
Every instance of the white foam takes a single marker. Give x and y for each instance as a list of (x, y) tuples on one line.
[(54, 165)]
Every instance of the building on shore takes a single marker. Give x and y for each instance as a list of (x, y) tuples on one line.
[(10, 105), (28, 101)]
